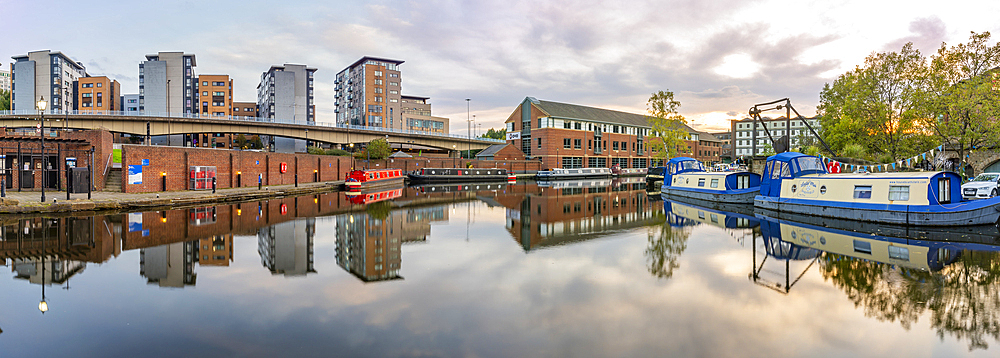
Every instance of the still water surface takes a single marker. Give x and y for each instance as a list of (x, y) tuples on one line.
[(594, 268)]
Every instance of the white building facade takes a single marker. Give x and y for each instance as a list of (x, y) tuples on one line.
[(45, 74)]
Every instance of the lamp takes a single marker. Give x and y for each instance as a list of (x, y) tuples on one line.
[(41, 118)]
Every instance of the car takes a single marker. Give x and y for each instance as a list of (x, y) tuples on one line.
[(985, 185)]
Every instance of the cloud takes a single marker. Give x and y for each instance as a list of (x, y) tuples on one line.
[(928, 34)]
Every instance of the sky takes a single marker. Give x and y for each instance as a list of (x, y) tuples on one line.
[(718, 57)]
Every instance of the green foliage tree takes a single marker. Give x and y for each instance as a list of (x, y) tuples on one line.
[(4, 100), (495, 134), (877, 105), (668, 127), (377, 149), (256, 143), (315, 150), (961, 101), (241, 141)]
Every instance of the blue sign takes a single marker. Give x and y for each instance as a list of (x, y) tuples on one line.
[(135, 174), (258, 162), (145, 162)]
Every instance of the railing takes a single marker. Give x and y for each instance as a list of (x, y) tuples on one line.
[(247, 119)]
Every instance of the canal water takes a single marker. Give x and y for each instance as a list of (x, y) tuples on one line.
[(589, 268)]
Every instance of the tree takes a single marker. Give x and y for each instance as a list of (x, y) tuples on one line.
[(877, 105), (377, 149), (669, 127), (495, 134), (4, 100), (664, 246), (961, 98), (256, 143), (241, 141)]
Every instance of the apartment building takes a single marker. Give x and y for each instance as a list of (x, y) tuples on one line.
[(416, 115), (246, 110), (4, 80), (98, 94), (129, 103), (214, 95), (749, 140), (166, 83), (726, 154), (704, 147), (45, 74), (285, 93), (367, 93)]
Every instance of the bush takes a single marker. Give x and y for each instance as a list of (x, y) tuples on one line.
[(855, 151), (338, 152), (315, 150)]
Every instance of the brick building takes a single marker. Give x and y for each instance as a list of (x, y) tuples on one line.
[(368, 93), (98, 94)]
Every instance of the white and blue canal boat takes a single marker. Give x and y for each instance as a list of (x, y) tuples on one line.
[(687, 178), (798, 183)]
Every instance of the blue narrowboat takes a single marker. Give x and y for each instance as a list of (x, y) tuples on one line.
[(687, 178), (799, 183)]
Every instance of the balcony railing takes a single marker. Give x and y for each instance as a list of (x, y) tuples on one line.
[(56, 113)]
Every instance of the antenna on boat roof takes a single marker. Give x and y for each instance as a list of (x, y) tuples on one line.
[(784, 145)]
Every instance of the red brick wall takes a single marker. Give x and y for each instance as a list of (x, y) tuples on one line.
[(100, 140), (175, 162)]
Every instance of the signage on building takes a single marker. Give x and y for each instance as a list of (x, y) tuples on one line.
[(513, 135), (283, 167)]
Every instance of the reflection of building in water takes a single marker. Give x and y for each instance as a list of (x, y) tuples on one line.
[(216, 251), (369, 247), (67, 244), (571, 213), (170, 265), (287, 248), (56, 271)]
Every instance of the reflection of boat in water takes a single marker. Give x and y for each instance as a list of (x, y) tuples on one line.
[(576, 183), (683, 214), (687, 178), (788, 241), (458, 187), (373, 196), (798, 183), (987, 234), (563, 173)]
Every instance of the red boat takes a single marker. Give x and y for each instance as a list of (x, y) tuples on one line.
[(358, 179)]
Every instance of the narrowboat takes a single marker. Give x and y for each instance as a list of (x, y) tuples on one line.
[(579, 173), (655, 173), (628, 172), (798, 183), (359, 179), (374, 196), (687, 178), (453, 175)]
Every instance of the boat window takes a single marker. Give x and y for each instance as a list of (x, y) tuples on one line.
[(701, 215), (715, 218), (809, 163), (776, 170), (786, 171), (862, 247), (862, 191), (671, 169), (899, 192), (899, 253), (701, 181), (944, 190), (715, 183), (742, 182)]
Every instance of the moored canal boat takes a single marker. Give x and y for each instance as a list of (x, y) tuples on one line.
[(360, 179), (463, 175), (578, 173), (628, 172), (798, 183), (687, 178)]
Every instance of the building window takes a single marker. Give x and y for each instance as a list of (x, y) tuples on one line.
[(99, 85), (204, 83), (614, 145), (566, 143), (577, 143), (539, 143)]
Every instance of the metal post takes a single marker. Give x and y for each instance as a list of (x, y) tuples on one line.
[(239, 179), (41, 118), (213, 184), (67, 180), (260, 181), (296, 178), (163, 181), (90, 188), (19, 164)]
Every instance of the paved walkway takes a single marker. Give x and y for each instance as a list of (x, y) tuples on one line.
[(30, 201)]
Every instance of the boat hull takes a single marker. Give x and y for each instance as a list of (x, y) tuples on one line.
[(741, 196), (418, 178), (979, 212), (571, 176)]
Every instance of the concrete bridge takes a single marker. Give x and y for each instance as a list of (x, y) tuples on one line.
[(175, 123)]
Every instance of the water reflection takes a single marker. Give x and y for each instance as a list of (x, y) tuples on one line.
[(955, 279), (668, 242)]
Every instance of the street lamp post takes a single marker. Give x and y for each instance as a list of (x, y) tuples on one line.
[(468, 121), (41, 118)]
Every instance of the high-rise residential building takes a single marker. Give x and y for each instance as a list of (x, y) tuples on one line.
[(98, 94), (417, 115), (166, 83), (748, 142), (285, 93), (214, 95), (44, 74), (287, 248), (129, 104), (367, 93), (4, 79), (245, 110), (170, 265)]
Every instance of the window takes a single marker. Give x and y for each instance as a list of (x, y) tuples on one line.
[(394, 83), (205, 93), (614, 145), (590, 143), (87, 95), (577, 143), (863, 192), (863, 247), (378, 82), (539, 143), (715, 183), (899, 192), (204, 83), (701, 181), (99, 85), (378, 73), (566, 143), (219, 94), (567, 124), (393, 92), (394, 75), (899, 253), (944, 190)]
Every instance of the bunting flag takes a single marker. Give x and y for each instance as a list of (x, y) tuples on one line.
[(893, 166)]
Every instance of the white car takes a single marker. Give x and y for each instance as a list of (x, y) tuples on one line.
[(985, 185)]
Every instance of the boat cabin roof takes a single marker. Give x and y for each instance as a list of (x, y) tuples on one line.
[(799, 164), (680, 165)]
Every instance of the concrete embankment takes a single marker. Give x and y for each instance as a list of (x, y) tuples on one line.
[(29, 202)]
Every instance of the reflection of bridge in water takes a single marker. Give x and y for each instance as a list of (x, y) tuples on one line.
[(162, 124)]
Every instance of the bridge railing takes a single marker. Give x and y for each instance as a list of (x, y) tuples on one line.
[(56, 113)]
